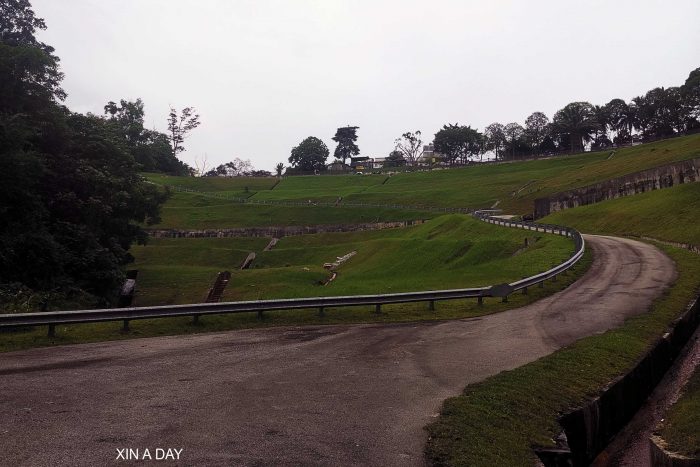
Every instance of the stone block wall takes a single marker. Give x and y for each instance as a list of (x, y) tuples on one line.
[(664, 176)]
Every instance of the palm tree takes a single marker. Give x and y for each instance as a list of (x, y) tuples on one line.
[(628, 120), (578, 120)]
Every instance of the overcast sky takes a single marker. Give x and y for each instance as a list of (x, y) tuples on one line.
[(264, 75)]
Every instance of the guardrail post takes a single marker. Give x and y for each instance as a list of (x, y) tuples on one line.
[(541, 284), (480, 301), (125, 326), (321, 312), (260, 315), (378, 309), (504, 299), (195, 319), (52, 330), (554, 278), (431, 305), (524, 290)]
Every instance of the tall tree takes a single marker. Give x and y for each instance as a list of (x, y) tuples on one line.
[(310, 155), (71, 199), (457, 142), (410, 145), (346, 137), (395, 159), (151, 149), (179, 127), (514, 133), (577, 121), (279, 168), (690, 91), (495, 138), (536, 129)]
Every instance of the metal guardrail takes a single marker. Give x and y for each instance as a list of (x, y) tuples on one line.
[(53, 318)]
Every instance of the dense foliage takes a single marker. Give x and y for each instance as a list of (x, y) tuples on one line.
[(660, 113), (310, 155), (71, 199)]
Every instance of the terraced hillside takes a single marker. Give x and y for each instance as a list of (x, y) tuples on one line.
[(513, 185), (448, 252), (672, 214)]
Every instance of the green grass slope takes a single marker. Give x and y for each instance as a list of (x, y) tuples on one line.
[(681, 427), (514, 185), (188, 211), (671, 214), (448, 252), (496, 422)]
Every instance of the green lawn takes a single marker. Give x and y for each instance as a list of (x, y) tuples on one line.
[(451, 251), (514, 185), (188, 211), (497, 421), (458, 250), (671, 214), (681, 428)]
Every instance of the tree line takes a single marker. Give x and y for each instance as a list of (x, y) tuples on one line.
[(660, 113), (72, 201)]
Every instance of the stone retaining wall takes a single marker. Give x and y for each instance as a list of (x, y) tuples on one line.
[(664, 176), (277, 231)]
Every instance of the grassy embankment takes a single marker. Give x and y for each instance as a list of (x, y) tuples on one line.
[(496, 422), (681, 427), (513, 185), (449, 252), (186, 210), (673, 215), (458, 251)]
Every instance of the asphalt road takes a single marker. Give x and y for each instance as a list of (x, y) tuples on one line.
[(324, 395)]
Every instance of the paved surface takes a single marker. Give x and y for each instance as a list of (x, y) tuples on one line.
[(331, 395)]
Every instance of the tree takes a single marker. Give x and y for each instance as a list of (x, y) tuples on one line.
[(71, 199), (661, 112), (457, 142), (495, 138), (279, 168), (410, 146), (150, 148), (395, 159), (514, 133), (690, 91), (235, 168), (310, 155), (601, 138), (346, 137), (180, 126), (34, 72), (536, 129), (577, 122)]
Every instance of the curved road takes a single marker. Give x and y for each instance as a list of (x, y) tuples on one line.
[(323, 395)]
